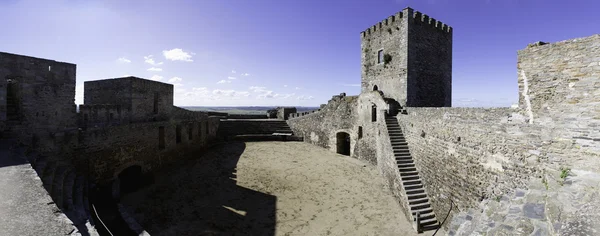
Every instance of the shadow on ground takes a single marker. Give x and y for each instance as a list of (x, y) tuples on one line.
[(206, 191)]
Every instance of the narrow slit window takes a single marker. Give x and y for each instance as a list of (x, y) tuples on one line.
[(380, 56), (161, 137)]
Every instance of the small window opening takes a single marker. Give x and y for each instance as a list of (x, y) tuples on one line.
[(380, 56), (49, 68), (161, 137), (178, 134), (373, 113), (360, 132), (375, 88)]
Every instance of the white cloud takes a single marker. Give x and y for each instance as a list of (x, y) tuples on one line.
[(200, 89), (148, 59), (266, 94), (154, 69), (257, 89), (180, 90), (298, 88), (177, 54), (351, 85), (224, 81), (285, 95), (285, 85), (303, 97), (178, 84), (156, 78), (231, 77), (233, 71), (123, 60), (175, 79), (245, 74), (230, 93)]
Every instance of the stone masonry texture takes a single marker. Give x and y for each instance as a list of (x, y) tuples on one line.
[(419, 70)]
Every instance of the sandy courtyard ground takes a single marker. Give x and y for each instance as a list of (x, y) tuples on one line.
[(269, 188)]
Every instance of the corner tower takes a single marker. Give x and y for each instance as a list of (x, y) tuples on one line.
[(408, 57)]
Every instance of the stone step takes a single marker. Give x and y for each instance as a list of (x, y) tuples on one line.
[(68, 185), (404, 152), (394, 132), (420, 206), (407, 161), (399, 144), (412, 187), (400, 148), (429, 228), (414, 177), (404, 165), (408, 169), (415, 192), (427, 216), (397, 139), (411, 182), (422, 211), (409, 173), (430, 221), (405, 155), (402, 157), (418, 201)]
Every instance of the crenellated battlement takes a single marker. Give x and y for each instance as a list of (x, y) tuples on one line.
[(420, 18), (380, 26), (416, 18)]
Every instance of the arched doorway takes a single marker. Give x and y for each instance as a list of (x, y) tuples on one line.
[(375, 88), (343, 143), (130, 179)]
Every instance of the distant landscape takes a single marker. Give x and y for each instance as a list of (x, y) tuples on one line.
[(253, 110)]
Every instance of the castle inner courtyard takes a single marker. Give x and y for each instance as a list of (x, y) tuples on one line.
[(268, 188)]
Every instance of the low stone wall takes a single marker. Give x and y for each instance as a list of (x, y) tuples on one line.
[(248, 126), (108, 151), (246, 116)]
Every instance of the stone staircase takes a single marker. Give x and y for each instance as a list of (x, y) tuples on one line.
[(418, 202)]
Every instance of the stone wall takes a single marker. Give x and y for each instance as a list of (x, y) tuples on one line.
[(391, 37), (43, 92), (429, 62), (471, 154), (102, 115), (419, 53), (559, 89), (135, 94), (105, 152)]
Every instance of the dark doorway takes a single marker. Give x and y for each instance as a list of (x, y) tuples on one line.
[(12, 100), (343, 143), (178, 134), (375, 88), (130, 179)]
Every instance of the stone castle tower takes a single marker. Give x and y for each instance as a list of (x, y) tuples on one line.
[(408, 57)]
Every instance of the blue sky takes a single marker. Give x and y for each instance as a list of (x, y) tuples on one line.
[(279, 52)]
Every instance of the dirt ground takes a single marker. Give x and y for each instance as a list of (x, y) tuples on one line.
[(269, 188)]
